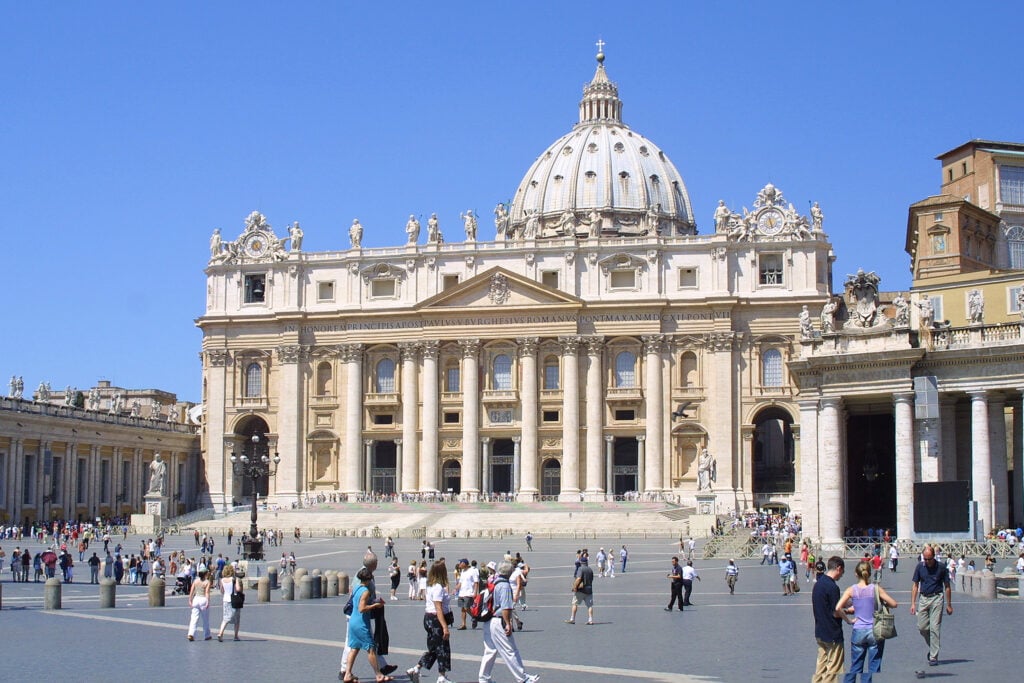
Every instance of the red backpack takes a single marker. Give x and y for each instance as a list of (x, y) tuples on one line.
[(482, 608)]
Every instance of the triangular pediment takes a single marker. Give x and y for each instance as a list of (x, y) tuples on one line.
[(498, 288)]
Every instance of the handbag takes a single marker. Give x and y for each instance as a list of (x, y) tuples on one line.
[(237, 599), (884, 627)]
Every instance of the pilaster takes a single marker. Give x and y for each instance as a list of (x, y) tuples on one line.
[(570, 419)]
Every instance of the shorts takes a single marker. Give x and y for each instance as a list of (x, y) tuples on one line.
[(465, 602), (787, 579), (585, 598)]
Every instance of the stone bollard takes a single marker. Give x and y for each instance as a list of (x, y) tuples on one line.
[(987, 589), (342, 583), (1020, 587), (156, 592), (272, 575), (263, 589), (288, 588), (300, 572), (108, 593), (305, 588), (323, 586), (314, 586), (332, 584), (51, 594)]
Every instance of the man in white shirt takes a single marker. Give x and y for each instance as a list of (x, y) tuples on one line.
[(689, 574), (469, 586)]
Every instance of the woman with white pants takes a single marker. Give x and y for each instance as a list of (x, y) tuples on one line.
[(199, 601)]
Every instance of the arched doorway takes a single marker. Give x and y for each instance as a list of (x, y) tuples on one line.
[(551, 478), (451, 477), (384, 467), (245, 445), (625, 465), (501, 466), (871, 471), (773, 468)]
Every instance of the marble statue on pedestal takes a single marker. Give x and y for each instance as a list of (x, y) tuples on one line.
[(157, 475), (806, 329), (412, 230), (295, 232), (902, 318), (434, 235), (828, 316), (355, 234), (706, 470), (722, 214), (69, 396), (216, 245), (500, 221), (136, 408), (817, 217), (93, 402), (43, 392), (927, 312), (469, 223), (13, 387)]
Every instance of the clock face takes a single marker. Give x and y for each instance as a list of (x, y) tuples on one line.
[(255, 245), (770, 222)]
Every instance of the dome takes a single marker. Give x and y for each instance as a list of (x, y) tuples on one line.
[(600, 178)]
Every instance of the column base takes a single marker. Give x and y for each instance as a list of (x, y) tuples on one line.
[(594, 496), (571, 496), (527, 496)]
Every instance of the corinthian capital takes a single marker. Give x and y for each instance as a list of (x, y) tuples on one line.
[(653, 343), (408, 350), (595, 344), (527, 346), (570, 345), (350, 353), (218, 358), (470, 347)]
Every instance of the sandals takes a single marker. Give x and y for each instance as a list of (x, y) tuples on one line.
[(382, 679)]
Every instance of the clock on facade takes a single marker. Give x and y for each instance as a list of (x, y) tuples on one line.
[(770, 222), (255, 245)]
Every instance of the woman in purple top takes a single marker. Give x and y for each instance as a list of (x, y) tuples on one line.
[(864, 649)]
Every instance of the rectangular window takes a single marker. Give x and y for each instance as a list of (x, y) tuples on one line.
[(1014, 304), (449, 281), (937, 307), (938, 216), (551, 377), (550, 416), (625, 415), (255, 289), (81, 481), (622, 279), (383, 289), (104, 481), (28, 484), (687, 278), (451, 379), (770, 269), (325, 291), (386, 419), (451, 418), (1011, 185), (550, 278)]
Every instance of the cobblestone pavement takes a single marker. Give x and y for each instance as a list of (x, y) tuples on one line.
[(755, 635)]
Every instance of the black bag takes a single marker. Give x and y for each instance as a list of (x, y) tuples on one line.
[(348, 607), (237, 599)]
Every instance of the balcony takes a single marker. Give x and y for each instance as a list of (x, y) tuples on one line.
[(976, 335), (380, 400), (325, 400), (624, 395), (500, 397)]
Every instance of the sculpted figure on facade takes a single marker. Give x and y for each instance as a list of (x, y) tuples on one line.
[(434, 235), (157, 475), (769, 195), (1020, 302), (532, 226), (20, 390), (806, 329), (500, 221), (722, 214), (469, 224), (706, 470), (412, 230), (43, 392), (593, 223), (136, 408), (976, 306), (567, 223), (216, 246), (116, 404), (828, 316), (295, 232), (927, 310), (817, 217), (739, 227), (863, 290), (69, 396), (93, 402), (12, 387), (355, 234), (256, 221), (654, 219), (902, 317)]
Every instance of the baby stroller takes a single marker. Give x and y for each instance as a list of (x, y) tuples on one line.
[(181, 585)]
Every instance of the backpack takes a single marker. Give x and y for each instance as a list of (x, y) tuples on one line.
[(482, 608)]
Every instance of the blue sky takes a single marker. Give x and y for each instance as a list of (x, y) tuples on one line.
[(129, 131)]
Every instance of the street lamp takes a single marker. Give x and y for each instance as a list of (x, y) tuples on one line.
[(255, 468)]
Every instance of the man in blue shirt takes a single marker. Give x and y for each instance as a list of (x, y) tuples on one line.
[(828, 623), (498, 638), (931, 582)]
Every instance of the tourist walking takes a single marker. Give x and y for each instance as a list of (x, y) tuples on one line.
[(498, 638), (828, 622), (395, 575), (929, 590), (231, 586), (359, 634), (689, 574), (469, 586), (732, 574), (437, 622), (199, 601), (583, 592), (675, 577), (865, 650), (411, 575), (623, 558)]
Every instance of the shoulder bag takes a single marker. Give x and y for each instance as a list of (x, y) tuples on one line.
[(885, 621)]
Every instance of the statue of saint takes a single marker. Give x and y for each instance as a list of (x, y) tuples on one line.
[(69, 396), (532, 226), (216, 244), (976, 306), (828, 316), (817, 217), (13, 387), (927, 312), (722, 214), (136, 408), (1020, 302), (295, 232), (469, 223), (412, 230), (500, 221), (706, 473), (902, 318), (594, 222), (43, 392), (434, 235), (806, 329), (157, 475), (355, 233)]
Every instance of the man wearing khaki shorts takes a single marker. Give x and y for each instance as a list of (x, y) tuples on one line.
[(583, 592)]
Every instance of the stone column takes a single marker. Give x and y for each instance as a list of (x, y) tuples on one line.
[(368, 467), (218, 467), (809, 471), (527, 463), (717, 414), (981, 459), (398, 465), (1018, 467), (596, 479), (641, 463), (431, 419), (906, 467), (609, 466), (947, 438), (470, 418), (570, 419), (67, 490), (291, 437), (517, 465), (997, 445), (352, 358), (832, 471), (408, 465), (655, 414), (485, 465)]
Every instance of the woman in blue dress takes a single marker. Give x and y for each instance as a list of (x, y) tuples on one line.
[(360, 636)]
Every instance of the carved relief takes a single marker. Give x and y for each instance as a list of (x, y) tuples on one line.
[(290, 353), (218, 358), (498, 291), (721, 341)]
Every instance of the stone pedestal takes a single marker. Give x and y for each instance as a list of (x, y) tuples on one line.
[(157, 509), (703, 521)]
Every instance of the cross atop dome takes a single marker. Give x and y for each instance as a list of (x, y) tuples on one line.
[(600, 97), (600, 51)]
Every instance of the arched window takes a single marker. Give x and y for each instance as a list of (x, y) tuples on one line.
[(324, 374), (502, 378), (451, 376), (771, 368), (625, 370), (551, 377), (253, 380), (385, 377), (688, 369), (1015, 244)]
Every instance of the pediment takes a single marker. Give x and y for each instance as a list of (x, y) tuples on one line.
[(498, 288)]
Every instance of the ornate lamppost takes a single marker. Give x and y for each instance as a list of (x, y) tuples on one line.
[(256, 467)]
